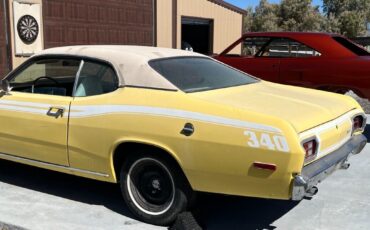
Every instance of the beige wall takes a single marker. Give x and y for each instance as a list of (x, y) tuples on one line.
[(17, 60), (227, 23)]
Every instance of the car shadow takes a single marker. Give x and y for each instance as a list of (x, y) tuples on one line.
[(367, 132), (218, 212), (64, 185), (211, 211)]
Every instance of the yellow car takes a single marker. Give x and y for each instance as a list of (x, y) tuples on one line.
[(164, 123)]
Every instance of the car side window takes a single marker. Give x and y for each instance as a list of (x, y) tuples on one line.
[(96, 78), (252, 45), (51, 76), (284, 47)]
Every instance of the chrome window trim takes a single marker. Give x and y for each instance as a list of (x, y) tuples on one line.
[(45, 164), (77, 77)]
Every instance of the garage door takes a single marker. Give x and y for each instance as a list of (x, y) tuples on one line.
[(76, 22)]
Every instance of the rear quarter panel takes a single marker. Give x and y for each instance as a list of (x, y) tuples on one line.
[(333, 74), (216, 158)]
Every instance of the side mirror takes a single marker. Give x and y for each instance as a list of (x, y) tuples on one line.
[(5, 87)]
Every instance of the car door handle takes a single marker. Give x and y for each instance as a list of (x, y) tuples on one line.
[(55, 112)]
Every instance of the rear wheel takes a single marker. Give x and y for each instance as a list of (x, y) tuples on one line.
[(153, 189)]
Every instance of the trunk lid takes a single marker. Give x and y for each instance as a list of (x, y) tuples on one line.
[(303, 108)]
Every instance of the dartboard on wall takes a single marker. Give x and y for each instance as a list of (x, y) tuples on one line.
[(28, 29)]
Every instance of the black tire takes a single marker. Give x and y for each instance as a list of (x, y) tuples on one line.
[(154, 189), (185, 221)]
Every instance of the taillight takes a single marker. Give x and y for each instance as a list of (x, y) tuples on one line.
[(311, 149), (358, 123)]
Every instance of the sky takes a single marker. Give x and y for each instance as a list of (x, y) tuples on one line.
[(245, 3)]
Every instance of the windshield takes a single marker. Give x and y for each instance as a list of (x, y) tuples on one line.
[(194, 74)]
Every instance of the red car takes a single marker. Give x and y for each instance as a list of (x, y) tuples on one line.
[(316, 60)]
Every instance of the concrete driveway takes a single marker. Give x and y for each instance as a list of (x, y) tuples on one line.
[(34, 198), (343, 202)]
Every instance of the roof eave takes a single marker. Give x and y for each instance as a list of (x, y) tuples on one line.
[(229, 6)]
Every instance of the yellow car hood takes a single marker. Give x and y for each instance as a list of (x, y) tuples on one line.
[(303, 108)]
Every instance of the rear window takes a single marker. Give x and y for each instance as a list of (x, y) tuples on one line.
[(351, 46), (195, 74)]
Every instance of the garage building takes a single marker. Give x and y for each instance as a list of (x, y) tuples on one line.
[(208, 26), (27, 26)]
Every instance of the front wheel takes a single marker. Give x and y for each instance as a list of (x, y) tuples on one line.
[(153, 189)]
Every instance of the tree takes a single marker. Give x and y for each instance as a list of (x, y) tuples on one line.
[(335, 8), (299, 15), (248, 20), (331, 24), (351, 15), (352, 23), (348, 17), (290, 15), (265, 17)]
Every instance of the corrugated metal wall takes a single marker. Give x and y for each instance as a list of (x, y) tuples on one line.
[(164, 23), (227, 23), (74, 22)]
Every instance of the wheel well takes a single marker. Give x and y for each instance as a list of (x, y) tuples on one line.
[(333, 89), (341, 90), (127, 148)]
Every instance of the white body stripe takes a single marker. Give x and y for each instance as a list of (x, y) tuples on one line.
[(330, 124), (333, 147), (27, 107), (22, 109), (99, 110), (319, 129), (24, 104)]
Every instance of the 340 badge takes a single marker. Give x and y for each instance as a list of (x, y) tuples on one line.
[(267, 140)]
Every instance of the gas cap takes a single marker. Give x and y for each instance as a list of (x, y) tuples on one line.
[(188, 129)]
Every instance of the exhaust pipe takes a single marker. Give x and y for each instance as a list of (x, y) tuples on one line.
[(312, 191), (345, 165)]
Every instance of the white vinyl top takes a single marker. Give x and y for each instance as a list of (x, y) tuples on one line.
[(130, 62)]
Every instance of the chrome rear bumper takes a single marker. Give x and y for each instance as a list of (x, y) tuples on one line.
[(312, 174)]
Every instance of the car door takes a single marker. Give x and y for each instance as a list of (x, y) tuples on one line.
[(302, 65), (34, 116), (250, 61), (91, 135)]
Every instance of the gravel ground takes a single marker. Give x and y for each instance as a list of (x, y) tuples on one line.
[(9, 227), (365, 103)]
